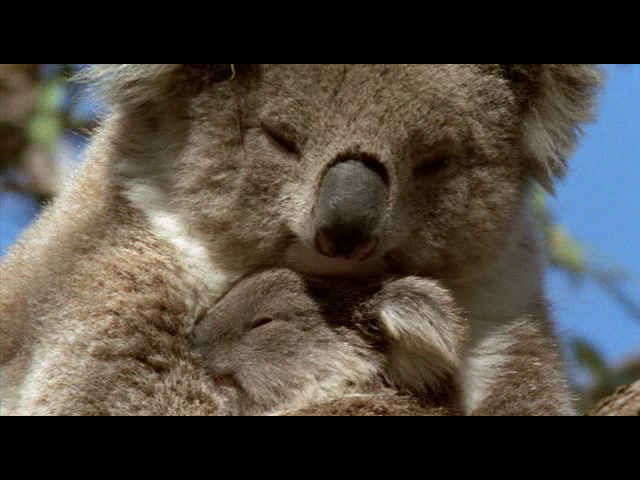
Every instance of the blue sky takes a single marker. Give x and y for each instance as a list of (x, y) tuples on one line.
[(599, 204), (16, 212)]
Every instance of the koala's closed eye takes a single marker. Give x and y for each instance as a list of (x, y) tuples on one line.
[(261, 321), (432, 160), (283, 137), (432, 165)]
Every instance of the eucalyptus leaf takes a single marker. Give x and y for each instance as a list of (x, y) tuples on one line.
[(45, 129)]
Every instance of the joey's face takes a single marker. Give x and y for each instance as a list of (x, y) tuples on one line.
[(267, 340), (353, 170)]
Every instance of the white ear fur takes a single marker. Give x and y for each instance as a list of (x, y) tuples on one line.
[(131, 85), (134, 85), (557, 100)]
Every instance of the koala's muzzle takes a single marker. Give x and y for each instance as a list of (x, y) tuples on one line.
[(350, 207)]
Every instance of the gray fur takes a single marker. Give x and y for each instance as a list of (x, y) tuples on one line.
[(197, 179)]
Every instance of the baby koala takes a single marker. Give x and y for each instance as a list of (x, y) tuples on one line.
[(279, 341)]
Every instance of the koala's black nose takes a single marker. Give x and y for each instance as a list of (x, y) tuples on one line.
[(352, 200)]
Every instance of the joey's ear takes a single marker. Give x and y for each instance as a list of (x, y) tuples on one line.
[(131, 86), (555, 100)]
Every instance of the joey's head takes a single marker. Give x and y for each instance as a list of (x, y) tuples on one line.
[(270, 341), (280, 340), (346, 169)]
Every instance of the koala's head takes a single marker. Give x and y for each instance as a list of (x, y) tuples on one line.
[(346, 169), (272, 343)]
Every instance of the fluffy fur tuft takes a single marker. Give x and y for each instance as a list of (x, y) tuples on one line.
[(133, 85), (556, 100)]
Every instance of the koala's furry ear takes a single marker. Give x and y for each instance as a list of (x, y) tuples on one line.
[(555, 100), (131, 86)]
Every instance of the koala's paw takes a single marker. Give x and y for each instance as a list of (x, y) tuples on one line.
[(420, 316), (426, 335)]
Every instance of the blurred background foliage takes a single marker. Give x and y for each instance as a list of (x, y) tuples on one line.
[(46, 120), (570, 256)]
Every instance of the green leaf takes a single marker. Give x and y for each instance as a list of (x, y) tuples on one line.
[(566, 252), (589, 358), (45, 129), (50, 95)]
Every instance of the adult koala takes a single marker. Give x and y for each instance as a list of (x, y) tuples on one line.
[(199, 177)]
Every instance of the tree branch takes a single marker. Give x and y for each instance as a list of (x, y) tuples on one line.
[(624, 402)]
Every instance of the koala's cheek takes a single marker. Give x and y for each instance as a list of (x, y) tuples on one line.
[(462, 223)]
